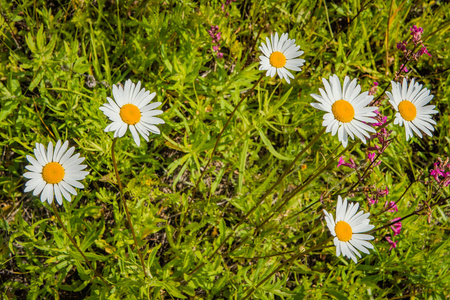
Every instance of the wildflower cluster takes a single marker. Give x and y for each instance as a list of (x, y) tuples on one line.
[(55, 171), (215, 36), (373, 89), (441, 172), (416, 33), (396, 227), (381, 136)]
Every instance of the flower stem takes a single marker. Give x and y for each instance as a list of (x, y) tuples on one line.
[(288, 197), (416, 212), (217, 144), (289, 261), (395, 203), (372, 163), (126, 208), (244, 218), (75, 244)]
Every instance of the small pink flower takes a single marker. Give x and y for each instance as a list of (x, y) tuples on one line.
[(392, 206), (372, 201), (374, 88), (352, 164), (404, 69), (402, 45), (341, 161), (391, 242), (220, 55), (422, 51), (371, 156), (416, 33), (397, 227)]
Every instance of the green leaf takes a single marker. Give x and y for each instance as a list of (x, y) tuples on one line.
[(36, 80), (271, 149)]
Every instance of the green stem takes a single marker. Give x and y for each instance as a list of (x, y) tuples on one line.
[(287, 199), (400, 198), (280, 179), (126, 208), (407, 216), (75, 244), (217, 144), (368, 167), (289, 261), (243, 219)]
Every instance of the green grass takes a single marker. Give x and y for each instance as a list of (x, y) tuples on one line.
[(49, 50)]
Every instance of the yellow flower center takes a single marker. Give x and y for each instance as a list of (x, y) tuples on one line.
[(53, 173), (343, 231), (407, 110), (130, 114), (343, 111), (277, 59)]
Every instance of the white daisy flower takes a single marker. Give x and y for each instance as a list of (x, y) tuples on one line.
[(346, 109), (279, 55), (348, 228), (131, 108), (54, 172), (409, 102)]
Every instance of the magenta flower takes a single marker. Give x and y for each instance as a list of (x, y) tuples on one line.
[(404, 69), (441, 172), (397, 227), (373, 89), (341, 161), (215, 36), (422, 51), (416, 33), (391, 242), (392, 206), (372, 201), (402, 45)]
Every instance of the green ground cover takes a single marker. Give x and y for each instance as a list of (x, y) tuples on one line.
[(217, 210)]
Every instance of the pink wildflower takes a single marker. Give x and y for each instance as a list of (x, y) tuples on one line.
[(441, 172), (341, 161), (215, 36), (373, 89), (397, 227), (391, 242), (226, 4), (422, 51), (404, 69), (402, 45), (372, 201), (392, 206), (416, 33)]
